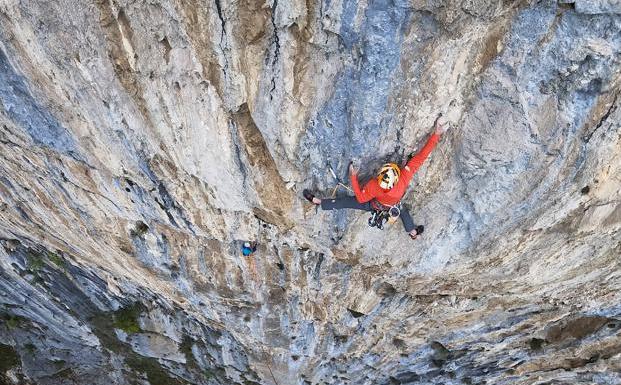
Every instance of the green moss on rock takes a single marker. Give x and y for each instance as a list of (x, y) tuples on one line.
[(35, 262), (57, 260), (152, 369), (13, 321), (30, 348), (59, 364), (186, 348), (65, 373), (126, 319), (8, 358)]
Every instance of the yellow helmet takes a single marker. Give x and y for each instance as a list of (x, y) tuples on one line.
[(388, 176)]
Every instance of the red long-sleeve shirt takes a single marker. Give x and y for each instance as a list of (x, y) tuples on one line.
[(372, 189)]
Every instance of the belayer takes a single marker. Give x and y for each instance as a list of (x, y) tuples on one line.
[(382, 195)]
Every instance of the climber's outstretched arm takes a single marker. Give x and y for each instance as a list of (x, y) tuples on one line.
[(417, 160)]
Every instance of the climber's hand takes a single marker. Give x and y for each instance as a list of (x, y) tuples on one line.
[(352, 169), (441, 125)]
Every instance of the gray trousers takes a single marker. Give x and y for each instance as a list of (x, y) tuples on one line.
[(349, 202)]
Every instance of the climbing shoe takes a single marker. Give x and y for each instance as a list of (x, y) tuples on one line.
[(419, 230), (309, 196)]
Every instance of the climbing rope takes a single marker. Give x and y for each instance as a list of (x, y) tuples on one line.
[(268, 364)]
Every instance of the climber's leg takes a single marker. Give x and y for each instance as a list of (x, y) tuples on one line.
[(408, 223), (346, 202), (406, 218)]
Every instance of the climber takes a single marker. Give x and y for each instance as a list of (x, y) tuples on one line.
[(248, 248), (382, 195)]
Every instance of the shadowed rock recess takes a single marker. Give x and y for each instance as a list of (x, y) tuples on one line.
[(141, 142)]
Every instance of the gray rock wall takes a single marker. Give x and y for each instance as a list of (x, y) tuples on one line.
[(142, 142)]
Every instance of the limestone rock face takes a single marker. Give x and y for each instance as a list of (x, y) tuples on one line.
[(141, 142)]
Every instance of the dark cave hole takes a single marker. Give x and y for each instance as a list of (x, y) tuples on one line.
[(355, 314), (536, 343)]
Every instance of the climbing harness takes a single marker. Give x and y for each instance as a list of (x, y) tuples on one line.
[(382, 214), (388, 176), (377, 219)]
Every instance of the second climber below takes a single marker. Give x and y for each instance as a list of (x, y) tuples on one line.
[(383, 194)]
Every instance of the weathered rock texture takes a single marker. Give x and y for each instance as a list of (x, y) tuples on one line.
[(142, 141)]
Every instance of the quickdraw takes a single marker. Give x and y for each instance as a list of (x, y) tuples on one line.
[(339, 182), (382, 214)]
